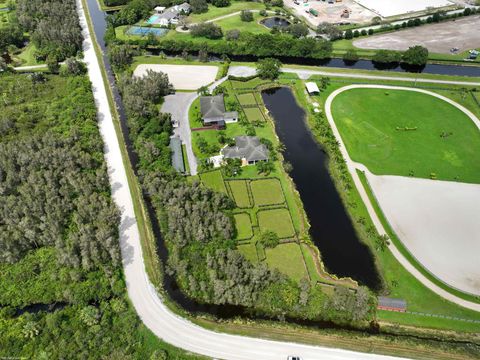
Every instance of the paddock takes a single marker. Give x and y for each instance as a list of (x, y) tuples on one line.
[(183, 77)]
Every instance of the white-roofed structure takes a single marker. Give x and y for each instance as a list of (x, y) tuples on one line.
[(312, 88)]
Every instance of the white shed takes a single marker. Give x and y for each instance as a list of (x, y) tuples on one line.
[(312, 88)]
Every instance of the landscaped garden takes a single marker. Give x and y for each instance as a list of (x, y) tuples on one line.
[(408, 133)]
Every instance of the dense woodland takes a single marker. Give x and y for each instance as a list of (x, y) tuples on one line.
[(199, 231)]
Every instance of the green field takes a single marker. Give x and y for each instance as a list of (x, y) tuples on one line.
[(243, 225), (215, 12), (234, 22), (253, 114), (239, 189), (372, 123), (267, 192), (288, 259), (246, 99), (276, 220), (214, 180), (249, 251)]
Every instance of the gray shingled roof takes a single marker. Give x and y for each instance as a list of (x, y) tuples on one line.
[(177, 154), (247, 147), (212, 108)]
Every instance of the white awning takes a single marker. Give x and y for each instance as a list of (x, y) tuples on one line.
[(312, 88)]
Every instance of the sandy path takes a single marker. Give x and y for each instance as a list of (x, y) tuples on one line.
[(352, 167)]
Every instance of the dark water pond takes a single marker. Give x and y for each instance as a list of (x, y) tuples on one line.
[(331, 229), (275, 21)]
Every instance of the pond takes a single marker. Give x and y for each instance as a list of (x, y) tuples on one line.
[(331, 229), (276, 21)]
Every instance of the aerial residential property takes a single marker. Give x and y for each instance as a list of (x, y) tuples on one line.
[(274, 180)]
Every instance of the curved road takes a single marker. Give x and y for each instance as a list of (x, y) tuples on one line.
[(352, 166)]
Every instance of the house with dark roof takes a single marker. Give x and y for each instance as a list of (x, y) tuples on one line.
[(213, 111), (249, 149)]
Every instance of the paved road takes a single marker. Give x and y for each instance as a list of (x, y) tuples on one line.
[(352, 166)]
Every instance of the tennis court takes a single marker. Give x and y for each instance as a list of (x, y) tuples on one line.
[(144, 31)]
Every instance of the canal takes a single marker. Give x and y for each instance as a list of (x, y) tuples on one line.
[(331, 229)]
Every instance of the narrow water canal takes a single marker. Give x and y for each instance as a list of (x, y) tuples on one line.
[(331, 229)]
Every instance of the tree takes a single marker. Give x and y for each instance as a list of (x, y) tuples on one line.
[(184, 22), (120, 56), (221, 3), (90, 315), (74, 67), (208, 30), (348, 34), (199, 6), (52, 64), (268, 68), (350, 56), (246, 16), (269, 239), (298, 30), (416, 55), (232, 35), (3, 65), (203, 91), (387, 57), (329, 30), (265, 167), (233, 167), (203, 56), (381, 242)]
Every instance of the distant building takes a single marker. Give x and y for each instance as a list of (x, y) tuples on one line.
[(391, 304), (312, 88), (213, 112), (177, 154), (166, 16), (249, 149)]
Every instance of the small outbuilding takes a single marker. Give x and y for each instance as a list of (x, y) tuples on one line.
[(391, 304), (177, 154), (312, 88), (159, 9)]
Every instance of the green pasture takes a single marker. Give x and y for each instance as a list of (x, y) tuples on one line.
[(239, 190), (214, 181), (234, 22), (408, 133), (276, 220), (249, 251), (288, 259), (246, 99), (215, 12), (253, 114), (243, 225), (267, 192)]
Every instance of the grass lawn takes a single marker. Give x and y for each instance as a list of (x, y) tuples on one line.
[(246, 99), (243, 225), (276, 220), (267, 192), (249, 251), (214, 180), (253, 114), (215, 12), (234, 22), (368, 120), (239, 189), (288, 259)]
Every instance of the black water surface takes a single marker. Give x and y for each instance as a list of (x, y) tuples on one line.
[(331, 229), (275, 21)]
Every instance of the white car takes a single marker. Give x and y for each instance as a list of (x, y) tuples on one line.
[(291, 357)]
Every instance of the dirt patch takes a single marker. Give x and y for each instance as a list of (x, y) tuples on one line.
[(399, 7), (439, 38), (183, 77)]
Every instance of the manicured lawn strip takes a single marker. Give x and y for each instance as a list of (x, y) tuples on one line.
[(253, 114), (288, 259), (215, 12), (234, 22), (368, 120), (243, 226), (249, 251), (267, 192), (310, 264), (394, 238), (276, 220), (214, 180), (185, 159), (239, 189), (246, 99)]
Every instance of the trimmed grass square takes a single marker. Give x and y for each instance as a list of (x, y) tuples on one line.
[(288, 259), (249, 251), (278, 221), (243, 225), (246, 99), (267, 192), (214, 180), (253, 114), (240, 193)]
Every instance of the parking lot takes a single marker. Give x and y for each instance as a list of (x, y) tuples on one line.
[(463, 34)]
